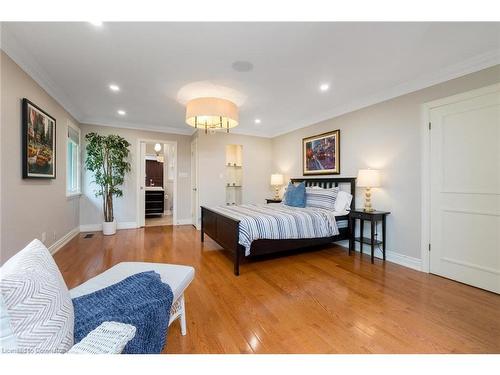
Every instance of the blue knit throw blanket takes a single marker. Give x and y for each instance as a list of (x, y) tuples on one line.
[(141, 300)]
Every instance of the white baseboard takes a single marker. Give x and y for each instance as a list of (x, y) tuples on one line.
[(404, 260), (184, 222), (56, 246), (90, 227), (391, 256), (126, 225), (98, 227)]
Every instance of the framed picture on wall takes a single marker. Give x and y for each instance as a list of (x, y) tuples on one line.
[(321, 154), (39, 142)]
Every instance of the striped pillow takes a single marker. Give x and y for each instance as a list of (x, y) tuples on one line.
[(321, 198)]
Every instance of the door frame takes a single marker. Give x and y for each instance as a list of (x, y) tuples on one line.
[(195, 203), (425, 238), (140, 217)]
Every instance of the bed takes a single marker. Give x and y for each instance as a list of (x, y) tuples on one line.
[(224, 227)]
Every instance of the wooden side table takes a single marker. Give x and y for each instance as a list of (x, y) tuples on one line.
[(373, 217), (272, 200)]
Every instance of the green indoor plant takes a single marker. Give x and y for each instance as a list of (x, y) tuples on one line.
[(107, 158)]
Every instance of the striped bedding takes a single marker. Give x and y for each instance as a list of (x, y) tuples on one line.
[(277, 222)]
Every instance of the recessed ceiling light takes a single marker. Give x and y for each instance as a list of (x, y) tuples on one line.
[(114, 88), (96, 23), (258, 121), (121, 112), (324, 87)]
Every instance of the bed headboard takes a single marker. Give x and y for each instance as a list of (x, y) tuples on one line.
[(331, 182)]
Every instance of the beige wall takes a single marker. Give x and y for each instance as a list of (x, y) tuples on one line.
[(125, 208), (257, 167), (384, 136), (30, 207)]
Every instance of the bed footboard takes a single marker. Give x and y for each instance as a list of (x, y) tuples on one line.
[(225, 231)]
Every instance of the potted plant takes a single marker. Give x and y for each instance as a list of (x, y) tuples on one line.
[(107, 158)]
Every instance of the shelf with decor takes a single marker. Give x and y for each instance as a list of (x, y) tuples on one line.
[(234, 174)]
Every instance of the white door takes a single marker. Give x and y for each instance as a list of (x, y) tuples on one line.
[(142, 184), (195, 209), (465, 190)]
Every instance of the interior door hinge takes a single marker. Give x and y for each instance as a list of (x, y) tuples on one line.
[(429, 247), (430, 125)]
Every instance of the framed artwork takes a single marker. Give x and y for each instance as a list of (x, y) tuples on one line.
[(321, 154), (39, 142)]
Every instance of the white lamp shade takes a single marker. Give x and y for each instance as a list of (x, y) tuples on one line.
[(157, 147), (368, 178), (209, 112), (276, 179)]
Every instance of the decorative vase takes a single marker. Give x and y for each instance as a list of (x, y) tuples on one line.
[(109, 228)]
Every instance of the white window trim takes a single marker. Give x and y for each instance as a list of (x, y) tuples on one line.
[(78, 163)]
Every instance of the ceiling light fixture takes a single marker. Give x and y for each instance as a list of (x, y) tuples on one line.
[(114, 87), (211, 114), (257, 121), (324, 87), (121, 112), (159, 158), (96, 23)]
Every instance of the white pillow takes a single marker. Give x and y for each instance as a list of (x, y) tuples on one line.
[(38, 302), (343, 201), (8, 341)]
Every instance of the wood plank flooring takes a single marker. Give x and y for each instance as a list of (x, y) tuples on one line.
[(321, 301)]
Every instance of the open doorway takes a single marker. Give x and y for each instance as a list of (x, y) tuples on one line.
[(157, 183)]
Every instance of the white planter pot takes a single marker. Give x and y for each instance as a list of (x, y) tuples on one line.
[(109, 228)]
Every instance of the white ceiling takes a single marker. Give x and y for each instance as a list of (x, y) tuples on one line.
[(158, 64)]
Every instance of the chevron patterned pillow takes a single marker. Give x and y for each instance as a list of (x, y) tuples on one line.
[(37, 300)]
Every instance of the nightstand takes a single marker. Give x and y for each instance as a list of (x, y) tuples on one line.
[(272, 200), (373, 217)]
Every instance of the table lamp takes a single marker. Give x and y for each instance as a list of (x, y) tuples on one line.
[(368, 178), (277, 182)]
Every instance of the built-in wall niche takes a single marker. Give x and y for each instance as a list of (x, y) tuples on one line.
[(234, 174)]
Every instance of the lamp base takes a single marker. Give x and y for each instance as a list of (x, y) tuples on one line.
[(368, 203), (276, 193)]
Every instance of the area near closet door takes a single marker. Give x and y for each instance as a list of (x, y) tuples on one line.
[(464, 172)]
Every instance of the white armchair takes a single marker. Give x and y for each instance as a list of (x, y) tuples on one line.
[(28, 278), (108, 338), (177, 276)]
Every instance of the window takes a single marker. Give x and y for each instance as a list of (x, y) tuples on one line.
[(72, 161)]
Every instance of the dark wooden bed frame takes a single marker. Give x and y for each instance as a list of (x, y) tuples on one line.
[(225, 230)]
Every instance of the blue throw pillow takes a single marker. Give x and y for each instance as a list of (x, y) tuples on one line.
[(295, 195)]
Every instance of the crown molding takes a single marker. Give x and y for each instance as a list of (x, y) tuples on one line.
[(141, 127), (474, 64), (258, 132), (28, 63)]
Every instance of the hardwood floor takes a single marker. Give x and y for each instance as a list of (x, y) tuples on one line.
[(156, 221), (321, 301)]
